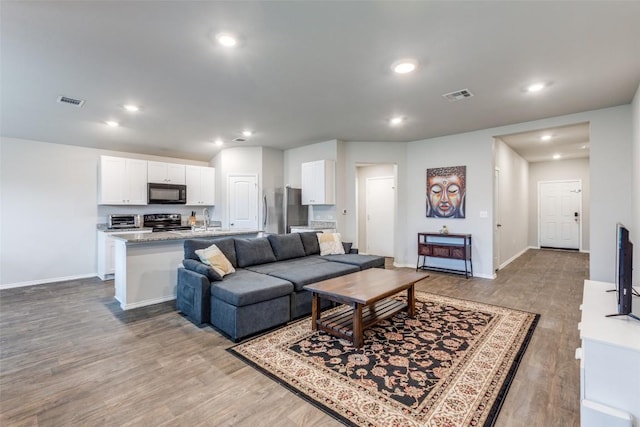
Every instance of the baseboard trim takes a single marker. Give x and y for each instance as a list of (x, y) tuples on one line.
[(147, 302), (477, 275), (513, 258), (45, 281)]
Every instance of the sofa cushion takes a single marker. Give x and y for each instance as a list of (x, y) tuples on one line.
[(308, 262), (322, 271), (330, 244), (362, 261), (254, 251), (310, 243), (245, 287), (214, 258), (198, 267), (226, 245), (286, 246)]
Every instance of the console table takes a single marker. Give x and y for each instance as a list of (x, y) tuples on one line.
[(451, 246)]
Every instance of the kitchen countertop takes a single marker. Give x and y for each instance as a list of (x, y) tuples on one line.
[(132, 238), (103, 227)]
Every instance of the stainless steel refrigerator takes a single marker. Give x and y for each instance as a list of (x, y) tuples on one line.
[(283, 209)]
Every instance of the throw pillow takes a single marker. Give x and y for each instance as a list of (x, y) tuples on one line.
[(213, 257), (330, 243)]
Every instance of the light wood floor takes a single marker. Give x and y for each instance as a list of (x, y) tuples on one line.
[(70, 356)]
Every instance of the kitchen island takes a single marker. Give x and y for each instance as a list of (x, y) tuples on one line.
[(146, 264)]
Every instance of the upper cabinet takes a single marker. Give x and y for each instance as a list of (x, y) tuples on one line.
[(201, 185), (318, 183), (122, 181), (165, 173)]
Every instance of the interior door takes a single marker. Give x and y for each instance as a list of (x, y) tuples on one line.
[(243, 202), (560, 212), (380, 206), (496, 220)]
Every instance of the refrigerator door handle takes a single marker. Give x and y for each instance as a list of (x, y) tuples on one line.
[(264, 210)]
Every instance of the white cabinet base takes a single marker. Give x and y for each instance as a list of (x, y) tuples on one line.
[(147, 274), (609, 360)]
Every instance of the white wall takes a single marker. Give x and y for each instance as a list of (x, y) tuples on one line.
[(294, 158), (611, 176), (513, 202), (611, 161), (233, 161), (49, 210), (558, 171), (475, 151), (635, 232)]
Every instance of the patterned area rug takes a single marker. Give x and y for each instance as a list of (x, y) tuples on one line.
[(449, 366)]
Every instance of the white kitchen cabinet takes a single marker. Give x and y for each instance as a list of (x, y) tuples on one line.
[(122, 181), (318, 183), (609, 361), (201, 185), (165, 173), (106, 252)]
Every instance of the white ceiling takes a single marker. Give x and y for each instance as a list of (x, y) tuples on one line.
[(305, 71)]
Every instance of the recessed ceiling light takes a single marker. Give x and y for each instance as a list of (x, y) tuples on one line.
[(537, 87), (112, 123), (404, 66), (219, 142), (556, 156), (545, 138), (247, 133), (226, 39), (131, 108), (395, 121)]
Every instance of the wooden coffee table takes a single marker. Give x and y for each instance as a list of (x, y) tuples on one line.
[(366, 292)]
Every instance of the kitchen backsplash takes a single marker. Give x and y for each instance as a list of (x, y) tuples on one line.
[(104, 211)]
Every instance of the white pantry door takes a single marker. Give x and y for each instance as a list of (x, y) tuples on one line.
[(243, 202), (560, 212), (380, 206)]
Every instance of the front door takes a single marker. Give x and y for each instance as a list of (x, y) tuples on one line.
[(243, 202), (560, 212)]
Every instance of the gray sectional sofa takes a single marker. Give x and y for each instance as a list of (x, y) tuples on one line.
[(267, 288)]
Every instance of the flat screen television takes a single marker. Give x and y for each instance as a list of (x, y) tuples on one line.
[(624, 272)]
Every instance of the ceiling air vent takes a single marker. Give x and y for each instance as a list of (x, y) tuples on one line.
[(71, 101), (458, 95), (239, 140)]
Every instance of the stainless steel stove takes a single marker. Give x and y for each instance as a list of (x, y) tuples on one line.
[(164, 222)]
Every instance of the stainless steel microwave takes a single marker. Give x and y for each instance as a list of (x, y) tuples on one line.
[(167, 194)]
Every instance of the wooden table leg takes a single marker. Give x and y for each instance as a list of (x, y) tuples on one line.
[(315, 311), (411, 300), (357, 326)]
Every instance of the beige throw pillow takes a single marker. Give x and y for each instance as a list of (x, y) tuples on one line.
[(213, 257), (330, 243)]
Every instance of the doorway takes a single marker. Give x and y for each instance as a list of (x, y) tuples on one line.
[(375, 208), (560, 214), (243, 202)]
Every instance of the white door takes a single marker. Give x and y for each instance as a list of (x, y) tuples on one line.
[(243, 202), (560, 212), (496, 220), (380, 211)]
